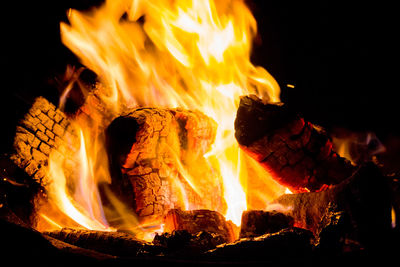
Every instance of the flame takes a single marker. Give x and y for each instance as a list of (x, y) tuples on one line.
[(393, 217), (192, 54), (79, 204), (357, 146)]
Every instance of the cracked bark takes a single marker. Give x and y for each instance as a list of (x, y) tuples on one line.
[(43, 130), (155, 153)]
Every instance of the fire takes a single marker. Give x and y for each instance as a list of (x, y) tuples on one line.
[(81, 205), (185, 53)]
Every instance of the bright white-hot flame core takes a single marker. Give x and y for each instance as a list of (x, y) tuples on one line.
[(193, 54)]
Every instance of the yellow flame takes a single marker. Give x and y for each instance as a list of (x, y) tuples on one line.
[(185, 53), (81, 204)]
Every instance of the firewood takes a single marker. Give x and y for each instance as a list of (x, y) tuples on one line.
[(196, 134), (331, 231), (150, 150), (181, 243), (43, 130), (290, 244), (297, 153), (75, 250), (195, 221), (111, 243), (364, 197), (259, 222), (23, 246)]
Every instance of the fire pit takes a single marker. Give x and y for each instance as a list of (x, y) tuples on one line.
[(168, 145)]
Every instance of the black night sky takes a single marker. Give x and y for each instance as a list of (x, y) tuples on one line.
[(339, 55)]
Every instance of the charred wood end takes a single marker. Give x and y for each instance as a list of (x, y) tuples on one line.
[(196, 221), (254, 119), (42, 131), (259, 222), (298, 154)]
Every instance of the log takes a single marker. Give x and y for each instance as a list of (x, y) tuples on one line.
[(258, 222), (74, 250), (288, 245), (151, 151), (364, 197), (297, 153), (23, 246), (152, 174), (331, 231), (195, 221), (110, 243), (182, 244), (44, 129), (18, 193)]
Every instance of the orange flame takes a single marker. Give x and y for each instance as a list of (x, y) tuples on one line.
[(185, 53)]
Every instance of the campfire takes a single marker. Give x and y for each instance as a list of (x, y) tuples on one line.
[(181, 149)]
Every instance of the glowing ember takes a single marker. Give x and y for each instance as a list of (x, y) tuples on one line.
[(192, 54)]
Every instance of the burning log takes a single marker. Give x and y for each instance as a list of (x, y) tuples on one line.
[(196, 221), (150, 152), (259, 222), (364, 197), (297, 153), (43, 130)]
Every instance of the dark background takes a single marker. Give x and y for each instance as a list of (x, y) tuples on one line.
[(340, 55)]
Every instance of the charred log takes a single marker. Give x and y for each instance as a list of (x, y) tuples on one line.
[(183, 244), (297, 153), (150, 150), (196, 221), (23, 246), (70, 250), (288, 244), (364, 197), (111, 243), (259, 222), (18, 194), (43, 130), (331, 231)]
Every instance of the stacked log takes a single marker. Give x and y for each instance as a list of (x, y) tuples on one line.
[(150, 150), (297, 153)]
